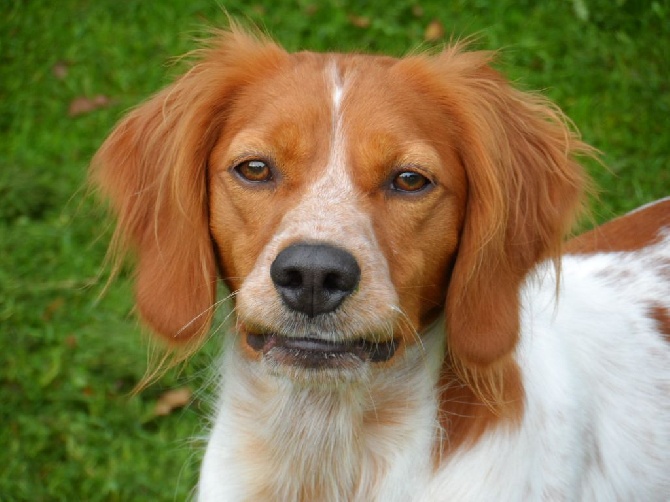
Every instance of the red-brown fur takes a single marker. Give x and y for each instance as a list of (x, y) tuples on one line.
[(629, 232), (662, 317)]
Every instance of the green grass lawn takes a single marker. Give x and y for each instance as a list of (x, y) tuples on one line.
[(69, 427)]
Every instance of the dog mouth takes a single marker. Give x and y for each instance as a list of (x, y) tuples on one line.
[(317, 353)]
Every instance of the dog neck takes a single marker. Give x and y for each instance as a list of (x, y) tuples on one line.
[(288, 440)]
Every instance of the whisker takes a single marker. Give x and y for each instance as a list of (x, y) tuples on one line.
[(408, 324), (206, 311), (160, 360)]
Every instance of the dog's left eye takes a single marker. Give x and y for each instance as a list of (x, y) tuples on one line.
[(255, 171), (410, 181)]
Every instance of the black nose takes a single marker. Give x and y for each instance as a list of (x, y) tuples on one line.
[(314, 278)]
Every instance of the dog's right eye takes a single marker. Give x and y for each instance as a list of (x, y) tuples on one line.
[(410, 181), (255, 171)]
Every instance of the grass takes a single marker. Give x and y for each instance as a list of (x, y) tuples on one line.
[(71, 430)]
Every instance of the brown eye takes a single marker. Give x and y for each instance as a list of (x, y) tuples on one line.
[(409, 181), (255, 171)]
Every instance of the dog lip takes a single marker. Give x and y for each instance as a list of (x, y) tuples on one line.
[(316, 345), (308, 349)]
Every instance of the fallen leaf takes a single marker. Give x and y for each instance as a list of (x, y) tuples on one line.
[(360, 21), (53, 307), (71, 341), (60, 70), (171, 400), (417, 10), (82, 105), (434, 31)]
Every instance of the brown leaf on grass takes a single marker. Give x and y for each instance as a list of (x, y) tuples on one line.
[(360, 21), (54, 306), (417, 10), (434, 31), (172, 400), (82, 105), (60, 70)]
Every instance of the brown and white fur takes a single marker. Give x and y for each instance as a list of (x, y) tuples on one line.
[(392, 231)]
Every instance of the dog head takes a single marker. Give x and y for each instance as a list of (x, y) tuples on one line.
[(346, 200)]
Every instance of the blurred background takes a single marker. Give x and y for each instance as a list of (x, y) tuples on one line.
[(70, 428)]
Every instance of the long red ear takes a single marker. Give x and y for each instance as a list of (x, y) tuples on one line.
[(524, 190), (153, 169)]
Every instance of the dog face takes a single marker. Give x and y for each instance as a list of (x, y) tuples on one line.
[(346, 200), (317, 175)]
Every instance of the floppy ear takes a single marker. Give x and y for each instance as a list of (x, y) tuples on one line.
[(153, 169), (524, 190)]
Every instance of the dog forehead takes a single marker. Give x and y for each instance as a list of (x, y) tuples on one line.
[(319, 105), (308, 86)]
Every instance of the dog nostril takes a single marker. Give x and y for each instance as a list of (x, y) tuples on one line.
[(337, 282), (293, 279), (330, 282), (286, 277)]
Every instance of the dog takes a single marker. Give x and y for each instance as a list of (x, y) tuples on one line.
[(410, 323)]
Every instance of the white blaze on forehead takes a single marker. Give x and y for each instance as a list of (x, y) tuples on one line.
[(331, 201), (337, 84), (336, 176)]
